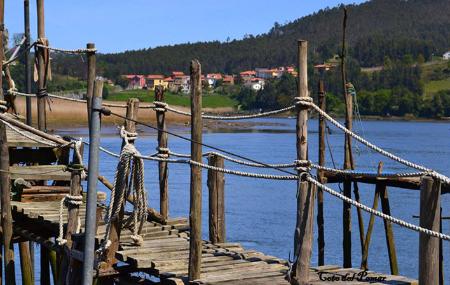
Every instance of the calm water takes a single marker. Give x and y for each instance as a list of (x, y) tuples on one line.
[(260, 214)]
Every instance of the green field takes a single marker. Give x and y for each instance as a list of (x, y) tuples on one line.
[(209, 101), (432, 87)]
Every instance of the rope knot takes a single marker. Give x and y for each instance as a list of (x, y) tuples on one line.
[(3, 106), (303, 101), (127, 136), (42, 92), (303, 165), (163, 152), (160, 106), (137, 239)]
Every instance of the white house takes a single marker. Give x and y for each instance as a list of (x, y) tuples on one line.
[(446, 56)]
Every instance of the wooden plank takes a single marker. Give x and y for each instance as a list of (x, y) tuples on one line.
[(40, 172)]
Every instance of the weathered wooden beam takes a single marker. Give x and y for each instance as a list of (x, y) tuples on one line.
[(25, 263), (389, 233), (162, 165), (42, 59), (91, 74), (410, 183), (306, 191), (430, 203), (5, 182), (365, 252), (195, 210), (321, 178), (216, 185), (116, 224)]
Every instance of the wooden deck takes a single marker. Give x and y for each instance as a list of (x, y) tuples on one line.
[(165, 252)]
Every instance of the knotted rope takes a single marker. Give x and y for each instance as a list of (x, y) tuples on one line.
[(75, 200), (129, 162)]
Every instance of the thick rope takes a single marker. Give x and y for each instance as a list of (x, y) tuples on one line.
[(68, 51), (378, 213), (128, 163), (68, 199), (308, 102), (164, 106)]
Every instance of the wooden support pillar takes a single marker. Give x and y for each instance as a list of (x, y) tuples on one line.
[(306, 192), (389, 233), (73, 212), (25, 263), (42, 67), (216, 183), (195, 210), (91, 74), (54, 265), (365, 255), (162, 147), (346, 209), (5, 179), (45, 266), (28, 84), (430, 203), (116, 224), (321, 178)]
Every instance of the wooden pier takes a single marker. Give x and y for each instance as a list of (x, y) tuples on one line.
[(86, 236)]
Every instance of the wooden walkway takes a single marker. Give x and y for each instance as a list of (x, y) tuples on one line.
[(165, 252)]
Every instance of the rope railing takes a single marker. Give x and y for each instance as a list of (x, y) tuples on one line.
[(308, 102), (369, 210), (67, 51)]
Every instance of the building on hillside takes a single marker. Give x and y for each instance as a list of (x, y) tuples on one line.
[(268, 73), (212, 78), (256, 84), (446, 56), (247, 75), (135, 81), (228, 80), (154, 80)]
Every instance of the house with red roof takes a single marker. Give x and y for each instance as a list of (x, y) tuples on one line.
[(135, 81)]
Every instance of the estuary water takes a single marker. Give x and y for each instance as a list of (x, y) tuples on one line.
[(261, 214)]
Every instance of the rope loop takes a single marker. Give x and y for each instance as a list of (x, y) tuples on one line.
[(163, 152), (160, 106), (42, 92), (303, 165), (303, 101), (74, 200), (127, 136), (3, 106)]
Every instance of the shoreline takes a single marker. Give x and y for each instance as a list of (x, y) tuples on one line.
[(64, 114)]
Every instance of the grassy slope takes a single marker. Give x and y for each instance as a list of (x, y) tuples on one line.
[(209, 101), (434, 86)]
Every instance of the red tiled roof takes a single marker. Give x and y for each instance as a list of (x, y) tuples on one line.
[(155, 76), (177, 73)]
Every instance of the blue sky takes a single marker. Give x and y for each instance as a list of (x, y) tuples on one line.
[(118, 25)]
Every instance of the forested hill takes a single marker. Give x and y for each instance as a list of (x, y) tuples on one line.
[(376, 29)]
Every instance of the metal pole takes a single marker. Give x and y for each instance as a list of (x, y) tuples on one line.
[(91, 207), (26, 9)]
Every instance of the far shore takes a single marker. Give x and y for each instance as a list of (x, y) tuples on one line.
[(65, 114)]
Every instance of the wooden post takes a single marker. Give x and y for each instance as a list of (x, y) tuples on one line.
[(195, 210), (28, 84), (72, 220), (25, 263), (116, 224), (5, 180), (45, 266), (306, 192), (346, 209), (216, 183), (389, 233), (365, 255), (430, 203), (42, 67), (320, 177), (91, 73), (54, 265), (162, 146)]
